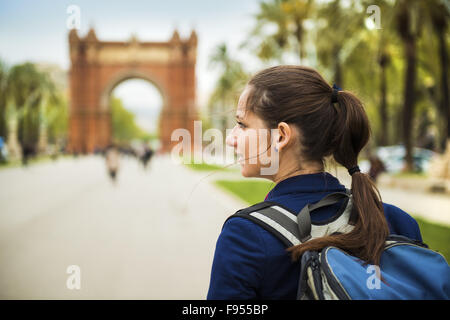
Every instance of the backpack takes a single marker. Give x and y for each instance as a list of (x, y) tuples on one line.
[(408, 268)]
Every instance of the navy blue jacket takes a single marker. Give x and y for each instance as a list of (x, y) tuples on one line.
[(250, 263)]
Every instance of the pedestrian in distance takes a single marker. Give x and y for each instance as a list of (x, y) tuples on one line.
[(112, 161)]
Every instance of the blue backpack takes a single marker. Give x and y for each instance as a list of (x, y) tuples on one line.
[(407, 270)]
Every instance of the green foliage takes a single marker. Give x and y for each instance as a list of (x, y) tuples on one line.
[(124, 125), (24, 91), (210, 167), (436, 236), (204, 167), (228, 87), (29, 96), (280, 29), (58, 116), (232, 77), (251, 191)]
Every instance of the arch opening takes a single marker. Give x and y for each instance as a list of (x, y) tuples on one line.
[(135, 105)]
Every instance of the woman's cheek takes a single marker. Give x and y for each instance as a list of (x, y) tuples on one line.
[(252, 165), (242, 148)]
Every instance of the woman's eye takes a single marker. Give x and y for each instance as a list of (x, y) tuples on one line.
[(240, 124)]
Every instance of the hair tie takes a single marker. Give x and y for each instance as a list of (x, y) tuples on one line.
[(351, 171), (334, 94)]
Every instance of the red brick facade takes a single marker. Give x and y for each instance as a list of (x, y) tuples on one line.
[(97, 67)]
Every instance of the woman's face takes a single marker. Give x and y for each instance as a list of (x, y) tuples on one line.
[(250, 139)]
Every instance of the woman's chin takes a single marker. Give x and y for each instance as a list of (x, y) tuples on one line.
[(247, 172), (244, 173)]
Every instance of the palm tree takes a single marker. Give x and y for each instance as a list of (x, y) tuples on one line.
[(270, 45), (439, 15), (13, 115), (3, 81), (408, 28), (231, 81), (384, 42), (383, 62), (280, 28), (28, 93), (298, 12), (338, 32)]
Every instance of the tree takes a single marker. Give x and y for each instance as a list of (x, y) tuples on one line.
[(280, 28), (439, 15), (231, 81), (298, 12), (25, 91), (50, 105), (382, 44), (408, 28), (57, 115), (3, 82), (123, 122), (338, 31), (29, 101)]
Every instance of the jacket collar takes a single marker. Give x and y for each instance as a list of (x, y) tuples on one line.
[(306, 183)]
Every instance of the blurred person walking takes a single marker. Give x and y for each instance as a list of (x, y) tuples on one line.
[(376, 167), (112, 161), (146, 156), (28, 152)]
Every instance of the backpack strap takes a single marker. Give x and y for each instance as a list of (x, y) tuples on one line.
[(293, 229)]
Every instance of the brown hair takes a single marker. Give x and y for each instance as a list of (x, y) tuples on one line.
[(299, 95)]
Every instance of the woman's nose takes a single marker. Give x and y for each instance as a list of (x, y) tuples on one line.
[(231, 139)]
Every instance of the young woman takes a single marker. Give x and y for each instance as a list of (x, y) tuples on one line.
[(307, 121)]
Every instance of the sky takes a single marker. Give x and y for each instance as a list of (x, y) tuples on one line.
[(35, 30), (143, 99)]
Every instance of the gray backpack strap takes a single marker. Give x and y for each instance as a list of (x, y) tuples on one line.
[(290, 228), (275, 219), (304, 217)]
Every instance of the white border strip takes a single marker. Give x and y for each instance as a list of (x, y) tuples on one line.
[(293, 239), (288, 214)]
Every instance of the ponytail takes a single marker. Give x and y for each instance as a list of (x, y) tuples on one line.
[(367, 239)]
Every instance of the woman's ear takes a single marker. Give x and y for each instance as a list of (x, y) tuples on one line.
[(284, 135)]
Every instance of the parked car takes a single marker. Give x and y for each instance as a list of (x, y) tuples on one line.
[(393, 158)]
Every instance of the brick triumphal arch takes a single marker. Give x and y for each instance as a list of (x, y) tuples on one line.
[(97, 67)]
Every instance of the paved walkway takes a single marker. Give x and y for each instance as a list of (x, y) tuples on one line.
[(140, 239)]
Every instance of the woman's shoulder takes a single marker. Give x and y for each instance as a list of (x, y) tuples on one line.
[(244, 232), (241, 231), (401, 223)]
